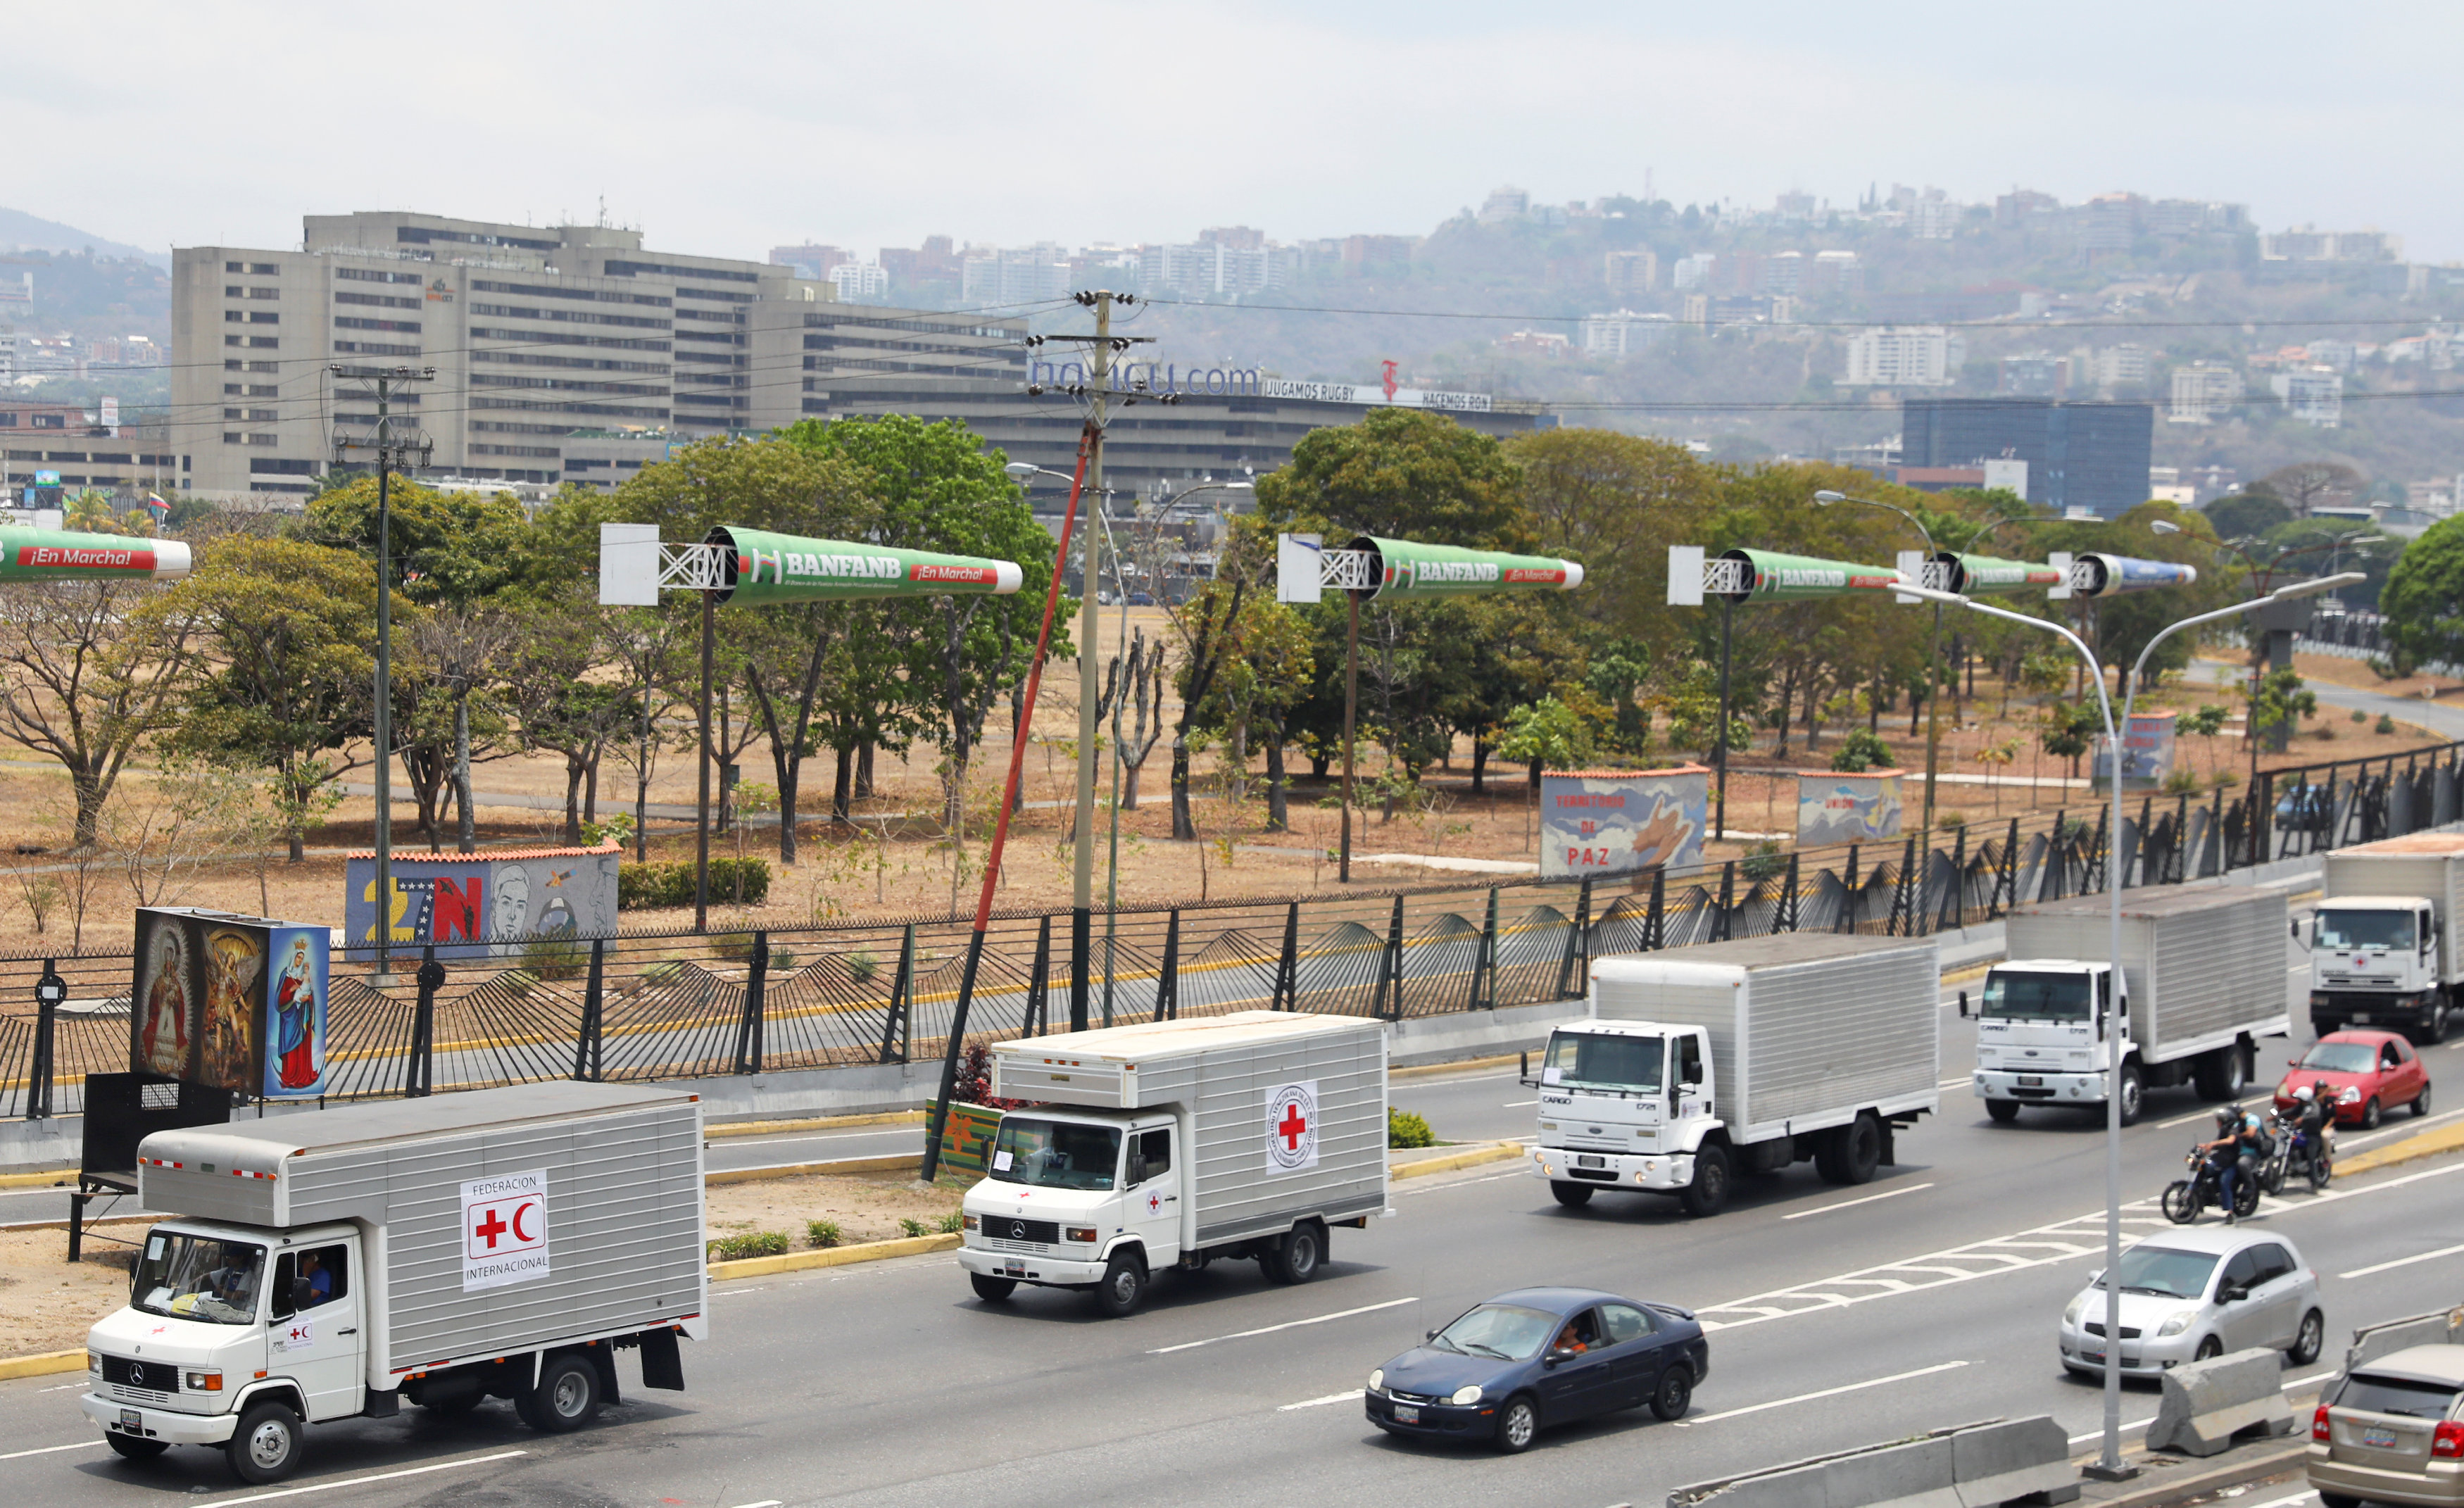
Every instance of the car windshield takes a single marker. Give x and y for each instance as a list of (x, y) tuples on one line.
[(2396, 1396), (2341, 1057), (1056, 1155), (2342, 932), (2163, 1270), (1507, 1332), (198, 1278), (1583, 1061), (2018, 995)]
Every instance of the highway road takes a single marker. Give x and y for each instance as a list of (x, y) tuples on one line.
[(889, 1384)]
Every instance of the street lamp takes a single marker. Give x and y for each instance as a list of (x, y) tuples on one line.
[(1933, 650), (2108, 1466)]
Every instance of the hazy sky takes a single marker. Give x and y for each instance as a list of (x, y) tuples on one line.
[(727, 128)]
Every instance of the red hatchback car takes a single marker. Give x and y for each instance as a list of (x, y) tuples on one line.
[(2367, 1073)]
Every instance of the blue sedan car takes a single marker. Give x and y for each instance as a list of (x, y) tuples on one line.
[(1540, 1356)]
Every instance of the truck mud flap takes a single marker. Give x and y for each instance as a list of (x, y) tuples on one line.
[(662, 1365), (382, 1405)]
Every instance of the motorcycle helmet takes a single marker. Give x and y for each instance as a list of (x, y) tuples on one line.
[(2307, 1095), (2229, 1117)]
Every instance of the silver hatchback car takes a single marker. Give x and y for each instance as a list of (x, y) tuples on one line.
[(2191, 1294)]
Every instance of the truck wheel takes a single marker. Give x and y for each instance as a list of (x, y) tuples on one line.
[(2220, 1075), (2134, 1090), (2002, 1112), (134, 1447), (1573, 1197), (1708, 1193), (265, 1448), (1297, 1256), (1855, 1151), (992, 1290), (2432, 1029), (566, 1397), (1123, 1288)]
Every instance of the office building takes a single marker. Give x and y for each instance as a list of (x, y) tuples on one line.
[(1623, 334), (2315, 395), (1922, 357), (2202, 391), (2092, 456), (1631, 272), (62, 444)]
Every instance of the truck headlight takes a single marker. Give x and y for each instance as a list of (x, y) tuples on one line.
[(1377, 1380), (968, 1222), (2317, 999), (1082, 1234), (1465, 1396), (210, 1382), (94, 1363), (2173, 1327), (2071, 1315)]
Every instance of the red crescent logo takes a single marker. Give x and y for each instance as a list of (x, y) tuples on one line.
[(519, 1210)]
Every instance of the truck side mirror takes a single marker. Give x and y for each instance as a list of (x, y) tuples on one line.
[(1963, 1005)]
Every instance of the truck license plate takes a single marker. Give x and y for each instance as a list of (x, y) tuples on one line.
[(2361, 1021), (1588, 1162), (131, 1421), (2033, 1081), (1405, 1414)]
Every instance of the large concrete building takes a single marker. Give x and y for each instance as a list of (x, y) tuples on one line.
[(2078, 455), (570, 353)]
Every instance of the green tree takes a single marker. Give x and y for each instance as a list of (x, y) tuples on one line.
[(2423, 603), (1541, 735), (288, 630), (2247, 514), (85, 678), (1615, 502), (2069, 731)]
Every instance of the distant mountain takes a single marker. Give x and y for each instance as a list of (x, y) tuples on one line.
[(36, 233)]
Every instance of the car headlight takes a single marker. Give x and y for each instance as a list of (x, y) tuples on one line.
[(2175, 1325), (2071, 1315), (1378, 1381), (2348, 1094), (1466, 1395)]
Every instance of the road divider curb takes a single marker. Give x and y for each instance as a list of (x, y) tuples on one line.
[(2372, 1341), (2267, 1463), (43, 1364), (1459, 1066), (2208, 1405), (65, 1177), (1991, 1461), (816, 1122), (1471, 1157), (826, 1257), (845, 1165), (2412, 1148)]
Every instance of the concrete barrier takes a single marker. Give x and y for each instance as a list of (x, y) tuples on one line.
[(1965, 1466), (2207, 1405), (2373, 1342)]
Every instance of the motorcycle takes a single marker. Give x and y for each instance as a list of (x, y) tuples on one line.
[(2187, 1198), (2299, 1151)]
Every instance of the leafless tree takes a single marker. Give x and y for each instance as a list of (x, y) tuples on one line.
[(84, 678), (1142, 698)]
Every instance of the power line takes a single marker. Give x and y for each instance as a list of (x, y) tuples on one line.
[(2004, 323)]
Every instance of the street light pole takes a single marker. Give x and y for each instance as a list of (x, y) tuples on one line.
[(1933, 649)]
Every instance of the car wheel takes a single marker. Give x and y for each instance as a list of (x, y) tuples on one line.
[(1518, 1424), (265, 1448), (2002, 1112), (2337, 1500), (2421, 1100), (2208, 1349), (2133, 1090), (1124, 1284), (134, 1447), (2180, 1203), (2370, 1116), (992, 1290), (566, 1397), (1708, 1193), (1573, 1197), (1675, 1393), (2310, 1339)]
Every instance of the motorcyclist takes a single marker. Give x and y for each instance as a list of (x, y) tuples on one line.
[(2313, 1102), (2240, 1142)]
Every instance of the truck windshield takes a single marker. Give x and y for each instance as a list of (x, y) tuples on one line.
[(198, 1278), (2342, 932), (2019, 995), (1504, 1331), (1581, 1060), (1056, 1155)]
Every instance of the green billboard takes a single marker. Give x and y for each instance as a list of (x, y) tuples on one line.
[(1402, 568), (53, 554), (1968, 574), (1769, 575), (762, 569)]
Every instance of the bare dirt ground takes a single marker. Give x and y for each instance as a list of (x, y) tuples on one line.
[(867, 1207), (48, 1305)]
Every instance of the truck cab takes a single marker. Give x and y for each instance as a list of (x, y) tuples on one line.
[(1623, 1105), (222, 1317), (2041, 1037), (1066, 1188), (2375, 961)]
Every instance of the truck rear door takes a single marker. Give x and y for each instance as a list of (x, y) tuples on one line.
[(314, 1329)]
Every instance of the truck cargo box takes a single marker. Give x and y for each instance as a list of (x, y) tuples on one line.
[(618, 1169), (1803, 1025), (2201, 962), (2427, 864), (1228, 1072)]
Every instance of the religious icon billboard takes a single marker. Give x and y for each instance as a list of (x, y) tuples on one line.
[(236, 1002)]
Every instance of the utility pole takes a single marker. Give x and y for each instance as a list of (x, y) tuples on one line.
[(388, 454), (1082, 870)]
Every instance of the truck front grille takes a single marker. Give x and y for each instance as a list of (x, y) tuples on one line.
[(156, 1379), (1003, 1228)]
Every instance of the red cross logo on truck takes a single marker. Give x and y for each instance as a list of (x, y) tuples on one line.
[(1292, 1127), (489, 1229)]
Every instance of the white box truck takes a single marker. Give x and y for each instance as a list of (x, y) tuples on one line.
[(1700, 1063), (328, 1264), (2204, 975), (1174, 1144), (2383, 947)]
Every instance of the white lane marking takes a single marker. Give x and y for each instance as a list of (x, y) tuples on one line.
[(2287, 1503), (47, 1450), (731, 1293), (378, 1476), (1827, 1392), (64, 1388), (1288, 1325), (2401, 1261), (1851, 1204), (766, 1503), (1511, 1104), (1947, 1084), (2098, 1432), (1440, 1185), (2208, 1114), (1319, 1403)]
